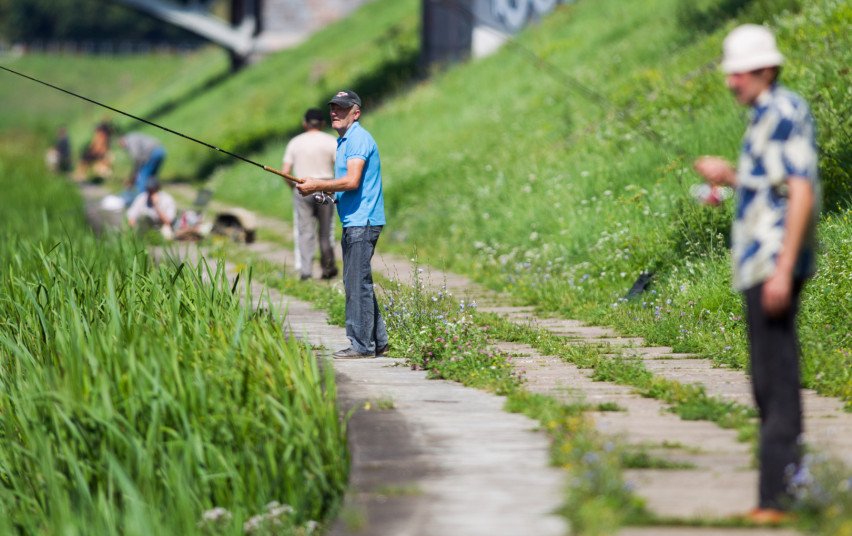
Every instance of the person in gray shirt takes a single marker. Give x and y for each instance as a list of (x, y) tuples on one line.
[(311, 155), (147, 154)]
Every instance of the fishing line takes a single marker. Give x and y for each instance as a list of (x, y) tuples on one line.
[(673, 150), (161, 127), (563, 77)]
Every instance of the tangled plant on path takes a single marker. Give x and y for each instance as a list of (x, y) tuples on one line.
[(438, 333)]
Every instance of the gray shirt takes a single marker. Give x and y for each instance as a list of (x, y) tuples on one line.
[(140, 146)]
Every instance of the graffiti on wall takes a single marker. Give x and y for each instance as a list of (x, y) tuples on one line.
[(514, 14)]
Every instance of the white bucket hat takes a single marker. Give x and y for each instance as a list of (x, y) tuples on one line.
[(750, 47)]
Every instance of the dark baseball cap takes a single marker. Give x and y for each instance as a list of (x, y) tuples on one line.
[(314, 114), (346, 98)]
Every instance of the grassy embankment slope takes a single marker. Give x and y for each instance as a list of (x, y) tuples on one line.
[(507, 173), (564, 202), (142, 85), (136, 397), (511, 172), (374, 49)]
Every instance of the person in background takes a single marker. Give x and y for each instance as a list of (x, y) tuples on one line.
[(147, 154), (311, 154), (96, 158), (360, 205), (58, 157), (153, 208), (773, 243)]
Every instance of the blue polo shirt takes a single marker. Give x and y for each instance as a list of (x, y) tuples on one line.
[(366, 204)]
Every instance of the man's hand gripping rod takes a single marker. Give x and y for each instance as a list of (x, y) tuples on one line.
[(322, 198)]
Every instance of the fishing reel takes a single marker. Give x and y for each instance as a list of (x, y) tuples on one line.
[(322, 198)]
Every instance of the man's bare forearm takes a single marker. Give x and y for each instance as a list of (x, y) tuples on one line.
[(799, 208)]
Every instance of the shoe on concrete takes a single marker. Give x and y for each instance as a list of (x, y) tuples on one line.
[(380, 352), (350, 353), (768, 516)]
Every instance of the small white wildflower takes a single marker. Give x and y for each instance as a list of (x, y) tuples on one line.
[(277, 510), (215, 514), (253, 524)]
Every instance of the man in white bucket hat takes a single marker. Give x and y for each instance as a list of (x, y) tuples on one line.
[(773, 246)]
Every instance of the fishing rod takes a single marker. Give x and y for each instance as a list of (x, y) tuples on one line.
[(322, 198)]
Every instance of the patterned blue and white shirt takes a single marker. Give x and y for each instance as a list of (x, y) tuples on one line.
[(780, 143)]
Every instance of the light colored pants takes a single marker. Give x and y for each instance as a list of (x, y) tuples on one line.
[(310, 218)]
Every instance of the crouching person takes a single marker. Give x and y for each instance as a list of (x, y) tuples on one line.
[(153, 209)]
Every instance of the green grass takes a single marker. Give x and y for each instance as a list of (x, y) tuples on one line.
[(136, 397), (138, 84), (540, 190), (375, 50), (508, 172), (543, 192), (453, 342)]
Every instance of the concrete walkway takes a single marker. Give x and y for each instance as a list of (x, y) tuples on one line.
[(828, 427), (429, 457)]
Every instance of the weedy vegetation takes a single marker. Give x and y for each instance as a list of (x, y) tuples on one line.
[(141, 399)]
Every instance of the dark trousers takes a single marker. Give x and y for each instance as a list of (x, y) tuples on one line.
[(774, 349), (365, 326)]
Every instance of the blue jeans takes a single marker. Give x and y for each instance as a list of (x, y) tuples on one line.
[(146, 171), (365, 326)]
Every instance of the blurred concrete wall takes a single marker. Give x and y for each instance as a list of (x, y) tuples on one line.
[(457, 29), (287, 22)]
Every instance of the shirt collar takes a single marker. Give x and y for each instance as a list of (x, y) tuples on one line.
[(765, 96), (761, 103), (349, 130)]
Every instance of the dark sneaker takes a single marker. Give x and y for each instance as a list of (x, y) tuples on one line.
[(331, 274), (350, 353), (380, 352)]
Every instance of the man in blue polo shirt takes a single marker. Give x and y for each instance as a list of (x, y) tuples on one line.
[(360, 205)]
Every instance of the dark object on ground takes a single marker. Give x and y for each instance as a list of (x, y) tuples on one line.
[(640, 286), (238, 224)]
